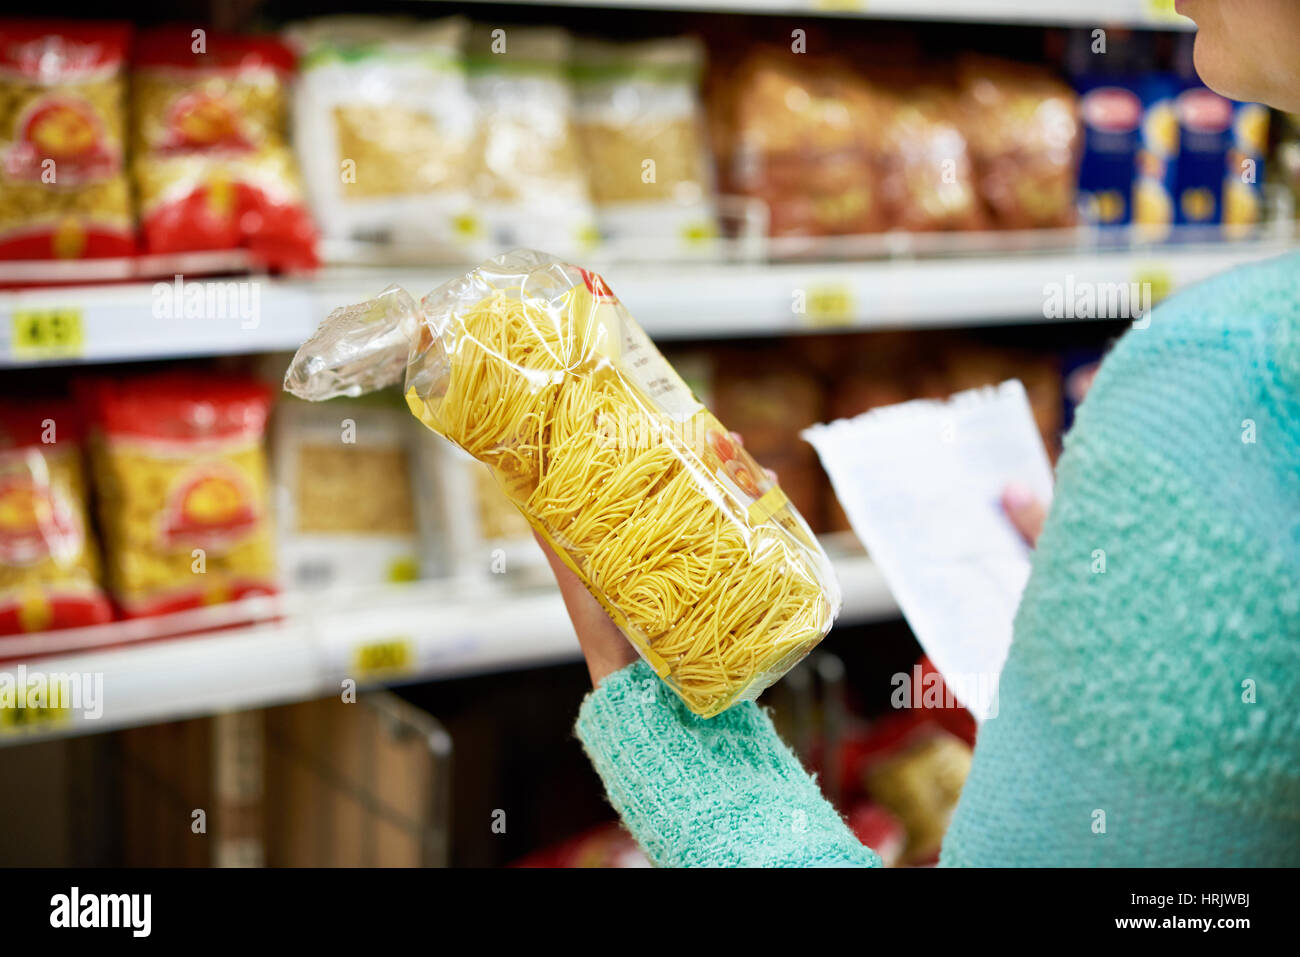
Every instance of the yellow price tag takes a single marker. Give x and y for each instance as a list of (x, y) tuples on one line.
[(384, 658), (15, 721), (840, 6), (47, 334), (1157, 278), (830, 304), (1162, 10)]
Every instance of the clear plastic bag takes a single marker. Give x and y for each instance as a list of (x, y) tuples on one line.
[(384, 130), (535, 368)]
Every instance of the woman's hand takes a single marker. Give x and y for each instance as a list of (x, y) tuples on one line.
[(603, 645), (1027, 513)]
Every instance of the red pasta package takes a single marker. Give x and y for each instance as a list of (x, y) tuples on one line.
[(63, 186), (49, 566), (212, 164), (181, 476)]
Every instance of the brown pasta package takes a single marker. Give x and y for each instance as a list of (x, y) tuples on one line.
[(928, 175), (1023, 128), (804, 136)]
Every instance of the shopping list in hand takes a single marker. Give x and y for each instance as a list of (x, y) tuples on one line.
[(922, 484)]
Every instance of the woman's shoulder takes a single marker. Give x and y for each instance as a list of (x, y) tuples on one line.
[(1248, 314), (1163, 588), (1199, 369)]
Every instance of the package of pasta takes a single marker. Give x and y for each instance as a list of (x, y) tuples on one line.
[(535, 368), (644, 135), (63, 187), (49, 566), (489, 540), (181, 477), (383, 124), (346, 509), (1023, 129), (530, 185), (211, 160)]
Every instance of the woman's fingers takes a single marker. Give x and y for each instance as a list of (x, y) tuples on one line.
[(603, 645), (1026, 512)]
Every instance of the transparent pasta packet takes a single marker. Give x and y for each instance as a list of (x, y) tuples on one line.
[(534, 367)]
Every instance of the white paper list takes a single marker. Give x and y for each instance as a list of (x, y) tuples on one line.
[(922, 483)]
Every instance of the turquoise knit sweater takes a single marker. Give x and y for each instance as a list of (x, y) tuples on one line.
[(1148, 709)]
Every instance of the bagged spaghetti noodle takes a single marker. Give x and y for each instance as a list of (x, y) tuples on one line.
[(535, 368)]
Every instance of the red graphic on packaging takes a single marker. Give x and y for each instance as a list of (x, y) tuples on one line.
[(203, 121), (35, 522), (597, 286), (211, 508), (62, 141), (1112, 109), (736, 463)]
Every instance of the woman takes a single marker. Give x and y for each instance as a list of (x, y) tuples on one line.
[(1146, 713)]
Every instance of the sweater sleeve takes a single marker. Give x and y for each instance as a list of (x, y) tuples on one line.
[(716, 792)]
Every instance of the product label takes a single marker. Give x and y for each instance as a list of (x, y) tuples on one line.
[(28, 720), (36, 522), (210, 506), (60, 141), (829, 305), (383, 658), (47, 334), (200, 120)]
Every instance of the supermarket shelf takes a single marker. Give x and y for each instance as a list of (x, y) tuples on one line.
[(432, 630), (683, 301), (1137, 13)]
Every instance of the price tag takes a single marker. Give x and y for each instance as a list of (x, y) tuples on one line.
[(829, 305), (47, 334), (840, 6), (1158, 278), (15, 721), (1162, 10), (376, 659)]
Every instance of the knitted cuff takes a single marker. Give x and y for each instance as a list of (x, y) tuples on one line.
[(723, 791)]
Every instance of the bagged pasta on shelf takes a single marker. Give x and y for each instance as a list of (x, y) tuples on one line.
[(530, 186), (384, 130), (805, 137), (49, 564), (212, 165), (181, 477), (346, 506), (534, 367), (489, 538), (63, 186), (1024, 133), (928, 176), (644, 138)]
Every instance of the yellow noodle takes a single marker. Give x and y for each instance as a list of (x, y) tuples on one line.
[(722, 601)]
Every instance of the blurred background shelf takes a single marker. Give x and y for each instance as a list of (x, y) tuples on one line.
[(111, 323), (1135, 13), (392, 635)]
